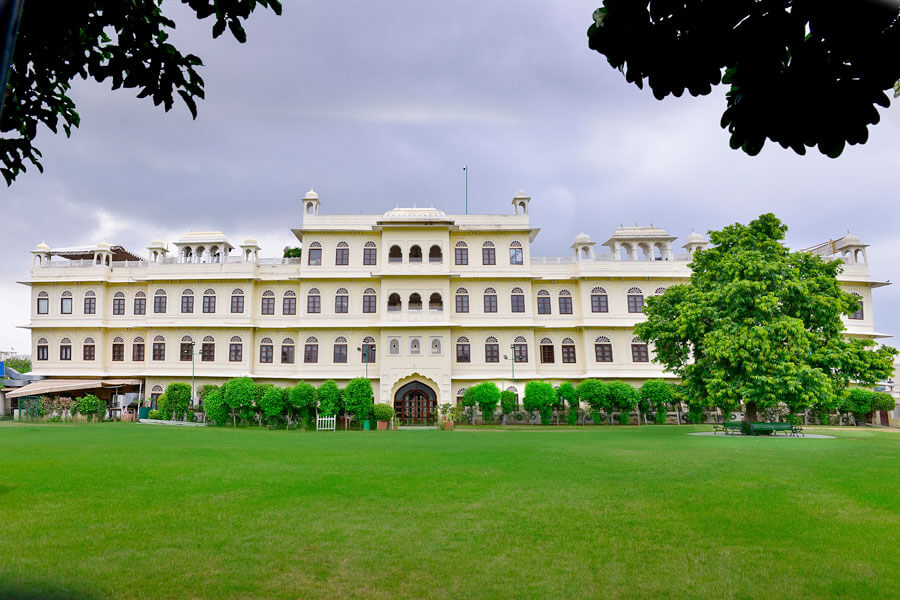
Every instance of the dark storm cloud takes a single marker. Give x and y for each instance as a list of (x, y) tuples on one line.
[(381, 104)]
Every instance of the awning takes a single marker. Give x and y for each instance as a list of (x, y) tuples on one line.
[(52, 386)]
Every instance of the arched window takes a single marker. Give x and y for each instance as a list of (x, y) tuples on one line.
[(341, 301), (342, 254), (546, 348), (313, 301), (42, 340), (88, 348), (543, 302), (237, 301), (660, 291), (395, 254), (546, 340), (187, 348), (461, 253), (568, 350), (266, 350), (339, 353), (187, 301), (543, 293), (138, 340), (462, 300), (67, 294), (490, 300), (370, 253), (517, 300), (208, 349), (435, 302), (415, 254), (520, 349), (118, 304), (858, 314), (488, 254), (394, 303), (42, 349), (463, 350), (460, 393), (159, 348), (639, 351), (315, 254), (369, 304), (394, 346), (289, 303), (209, 301), (340, 340), (268, 294), (65, 303), (414, 346), (236, 339), (43, 304), (43, 295), (599, 300), (565, 302), (516, 257), (435, 255), (436, 346), (415, 302), (368, 340), (635, 300), (311, 350)]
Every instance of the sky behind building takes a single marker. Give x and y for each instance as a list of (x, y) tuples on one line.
[(377, 105)]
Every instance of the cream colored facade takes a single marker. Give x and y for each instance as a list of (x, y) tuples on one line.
[(412, 343)]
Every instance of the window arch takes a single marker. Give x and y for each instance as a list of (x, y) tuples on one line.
[(187, 340), (520, 340), (138, 340), (42, 340), (89, 294), (460, 392), (209, 339), (515, 244), (394, 302), (395, 254), (269, 293), (543, 293), (462, 340), (415, 347), (157, 388), (490, 340), (186, 292), (368, 340), (43, 295), (159, 338), (343, 291), (266, 340), (312, 340), (490, 290), (546, 340), (237, 292), (435, 302), (462, 291), (369, 244), (568, 340), (235, 339), (415, 302), (340, 340), (369, 291), (636, 340), (565, 293), (598, 290), (90, 340), (602, 339), (435, 254), (635, 290), (342, 245), (659, 291), (65, 341), (315, 245), (415, 253), (488, 244), (517, 290), (116, 340), (461, 244), (67, 294), (118, 295), (436, 346), (209, 292), (159, 292)]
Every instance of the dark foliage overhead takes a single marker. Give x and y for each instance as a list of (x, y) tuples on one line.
[(802, 72)]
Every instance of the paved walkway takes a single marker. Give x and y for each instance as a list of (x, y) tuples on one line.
[(812, 436), (163, 422)]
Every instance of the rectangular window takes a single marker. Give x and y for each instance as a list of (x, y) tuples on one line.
[(140, 306), (289, 305), (490, 303), (159, 351), (315, 256), (209, 304), (88, 352), (463, 354), (546, 354), (568, 353), (543, 305), (208, 352), (520, 352), (311, 353), (237, 304), (858, 315), (488, 256), (187, 350), (599, 303), (268, 305), (635, 303), (603, 352), (368, 353), (65, 306), (235, 352), (341, 304), (515, 256), (43, 306), (266, 353), (369, 256), (340, 353), (90, 305), (118, 306), (187, 304), (43, 352), (118, 352), (342, 256), (313, 304), (65, 352), (462, 303), (565, 305), (159, 304), (137, 352), (287, 354), (639, 353), (492, 353), (517, 303), (462, 256), (369, 303)]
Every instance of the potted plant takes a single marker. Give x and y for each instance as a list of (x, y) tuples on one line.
[(383, 414), (446, 423)]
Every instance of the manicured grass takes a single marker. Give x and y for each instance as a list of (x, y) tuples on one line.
[(135, 511)]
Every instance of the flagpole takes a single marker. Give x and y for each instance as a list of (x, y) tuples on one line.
[(466, 170)]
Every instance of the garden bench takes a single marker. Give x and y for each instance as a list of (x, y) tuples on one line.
[(797, 429), (772, 427), (728, 428)]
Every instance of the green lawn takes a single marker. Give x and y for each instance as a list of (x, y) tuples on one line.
[(135, 511)]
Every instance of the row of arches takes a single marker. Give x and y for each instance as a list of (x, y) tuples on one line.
[(435, 254), (395, 303)]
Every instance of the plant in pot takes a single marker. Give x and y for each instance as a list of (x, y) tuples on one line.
[(383, 414), (446, 419)]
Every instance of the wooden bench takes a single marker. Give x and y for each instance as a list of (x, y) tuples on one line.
[(774, 428), (728, 428)]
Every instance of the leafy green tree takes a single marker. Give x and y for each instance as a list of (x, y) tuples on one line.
[(271, 404), (800, 73), (566, 393), (658, 395), (858, 402), (624, 398), (301, 401), (22, 365), (759, 324), (239, 396), (540, 397), (125, 43), (176, 400), (883, 402), (90, 406), (214, 404), (595, 394), (330, 399), (359, 398), (508, 403), (292, 252), (469, 401), (487, 396)]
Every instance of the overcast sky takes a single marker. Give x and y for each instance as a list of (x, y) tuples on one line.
[(379, 104)]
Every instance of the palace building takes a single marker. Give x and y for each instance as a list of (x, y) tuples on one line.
[(423, 303)]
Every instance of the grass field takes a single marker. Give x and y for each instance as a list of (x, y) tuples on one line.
[(133, 511)]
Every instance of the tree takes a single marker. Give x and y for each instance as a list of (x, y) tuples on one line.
[(239, 395), (358, 398), (858, 402), (271, 404), (540, 397), (301, 401), (214, 405), (658, 395), (800, 73), (126, 43), (468, 400), (566, 392), (624, 398), (330, 399), (508, 403), (90, 406), (22, 365), (759, 324), (595, 394), (176, 400), (487, 396), (290, 252)]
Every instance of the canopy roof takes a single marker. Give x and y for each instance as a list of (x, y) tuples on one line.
[(52, 386), (87, 253)]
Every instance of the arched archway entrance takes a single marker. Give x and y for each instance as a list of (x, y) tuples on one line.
[(415, 404)]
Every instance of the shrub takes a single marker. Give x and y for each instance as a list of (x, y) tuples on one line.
[(178, 399), (487, 396), (330, 399), (540, 396), (508, 402), (572, 416), (358, 398), (301, 401), (239, 394), (90, 406), (215, 407), (596, 394), (623, 418), (155, 414), (660, 417), (623, 397), (883, 401), (271, 404), (383, 412), (566, 393), (858, 402)]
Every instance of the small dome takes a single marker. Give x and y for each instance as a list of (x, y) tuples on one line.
[(249, 242), (521, 195), (695, 238), (582, 238), (311, 195), (850, 240), (157, 243), (103, 246), (42, 247)]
